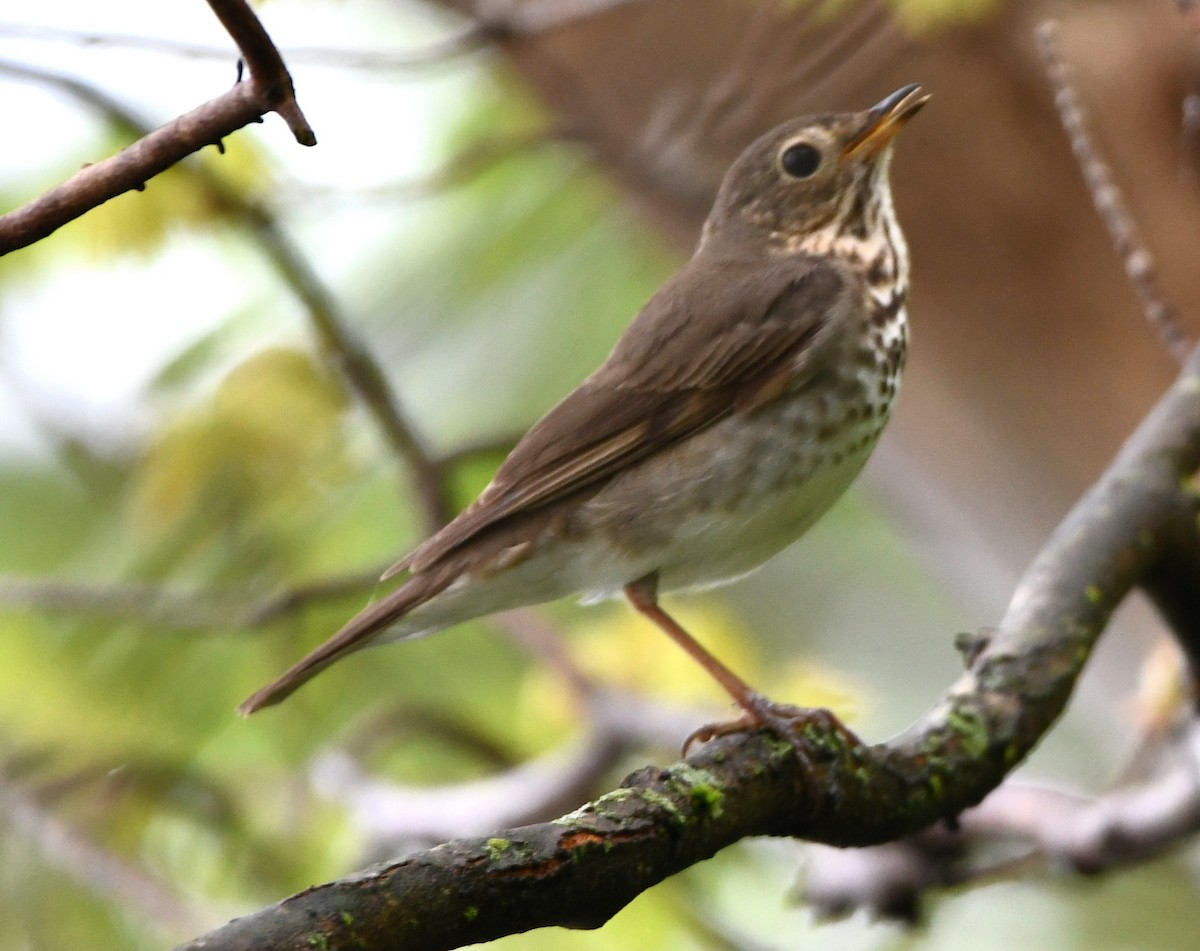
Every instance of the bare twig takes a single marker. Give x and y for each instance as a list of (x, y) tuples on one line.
[(1106, 196), (267, 70), (129, 169), (396, 819), (269, 89), (339, 342), (154, 604)]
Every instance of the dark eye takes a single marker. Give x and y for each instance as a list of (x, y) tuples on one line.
[(800, 160)]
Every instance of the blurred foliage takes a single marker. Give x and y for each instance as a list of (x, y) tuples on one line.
[(617, 646), (920, 15), (258, 474), (261, 450), (917, 15), (185, 197)]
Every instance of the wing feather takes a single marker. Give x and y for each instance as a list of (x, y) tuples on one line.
[(721, 337)]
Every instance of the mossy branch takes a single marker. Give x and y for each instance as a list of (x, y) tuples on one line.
[(577, 871)]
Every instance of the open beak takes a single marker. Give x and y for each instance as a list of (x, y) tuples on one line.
[(884, 121)]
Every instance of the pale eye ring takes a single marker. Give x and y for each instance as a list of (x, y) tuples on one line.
[(800, 159)]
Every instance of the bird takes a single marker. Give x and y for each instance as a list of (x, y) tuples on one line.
[(734, 410)]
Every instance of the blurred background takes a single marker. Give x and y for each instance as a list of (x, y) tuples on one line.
[(190, 498)]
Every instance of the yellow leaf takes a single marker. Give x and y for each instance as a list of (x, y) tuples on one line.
[(187, 195), (265, 443)]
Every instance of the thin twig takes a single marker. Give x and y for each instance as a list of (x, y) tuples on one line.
[(267, 70), (1108, 200), (130, 168), (339, 343), (269, 89), (467, 40), (154, 604)]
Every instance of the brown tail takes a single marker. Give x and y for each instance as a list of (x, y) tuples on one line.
[(357, 633)]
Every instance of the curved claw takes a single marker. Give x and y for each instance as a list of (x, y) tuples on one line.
[(784, 720)]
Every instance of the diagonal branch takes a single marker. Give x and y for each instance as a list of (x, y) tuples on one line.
[(267, 70), (467, 40), (580, 869), (269, 89), (154, 604), (1108, 200)]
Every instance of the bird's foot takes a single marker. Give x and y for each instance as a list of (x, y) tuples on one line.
[(805, 728)]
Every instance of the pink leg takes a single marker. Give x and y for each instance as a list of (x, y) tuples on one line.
[(758, 711)]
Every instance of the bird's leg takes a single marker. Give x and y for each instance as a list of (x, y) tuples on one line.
[(758, 711)]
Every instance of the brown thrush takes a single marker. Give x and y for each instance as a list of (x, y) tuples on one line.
[(732, 413)]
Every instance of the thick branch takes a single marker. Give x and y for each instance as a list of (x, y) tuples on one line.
[(579, 870), (1018, 827), (1173, 585)]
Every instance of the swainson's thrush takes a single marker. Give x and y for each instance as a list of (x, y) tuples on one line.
[(731, 414)]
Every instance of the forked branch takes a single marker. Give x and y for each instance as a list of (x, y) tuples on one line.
[(269, 89)]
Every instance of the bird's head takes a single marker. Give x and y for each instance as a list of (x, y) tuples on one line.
[(824, 175)]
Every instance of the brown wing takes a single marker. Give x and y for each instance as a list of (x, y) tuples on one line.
[(721, 337)]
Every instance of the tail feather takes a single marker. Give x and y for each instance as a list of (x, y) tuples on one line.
[(358, 632)]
